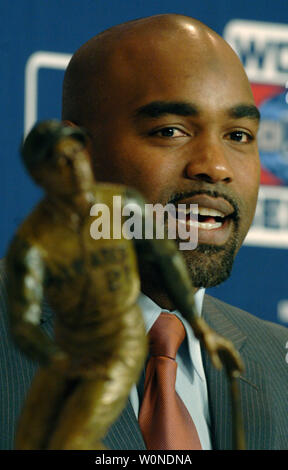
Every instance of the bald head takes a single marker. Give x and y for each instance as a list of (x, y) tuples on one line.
[(124, 51), (171, 113)]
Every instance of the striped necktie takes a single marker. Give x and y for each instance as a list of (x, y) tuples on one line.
[(164, 420)]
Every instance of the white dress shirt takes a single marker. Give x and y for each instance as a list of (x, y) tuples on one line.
[(191, 383)]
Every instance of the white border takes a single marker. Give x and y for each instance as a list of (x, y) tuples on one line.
[(38, 60), (267, 237)]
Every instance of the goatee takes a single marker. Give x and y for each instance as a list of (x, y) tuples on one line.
[(210, 265)]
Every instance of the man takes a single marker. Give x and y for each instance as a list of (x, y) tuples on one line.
[(170, 112)]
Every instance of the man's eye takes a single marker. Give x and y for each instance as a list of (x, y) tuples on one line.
[(240, 136), (169, 132)]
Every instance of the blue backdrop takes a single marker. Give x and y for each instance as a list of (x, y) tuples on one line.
[(37, 39)]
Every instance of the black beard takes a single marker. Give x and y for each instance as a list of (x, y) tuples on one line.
[(210, 265)]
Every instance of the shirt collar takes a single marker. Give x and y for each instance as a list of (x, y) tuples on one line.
[(151, 311)]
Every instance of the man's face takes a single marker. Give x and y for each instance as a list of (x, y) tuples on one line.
[(180, 126)]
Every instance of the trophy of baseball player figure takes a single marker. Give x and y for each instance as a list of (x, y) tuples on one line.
[(87, 370)]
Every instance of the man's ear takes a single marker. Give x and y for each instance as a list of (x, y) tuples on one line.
[(69, 123), (66, 122)]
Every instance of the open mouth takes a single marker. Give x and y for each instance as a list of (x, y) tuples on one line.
[(213, 217), (204, 218)]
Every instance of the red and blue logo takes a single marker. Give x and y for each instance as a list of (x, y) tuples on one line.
[(263, 50), (273, 134)]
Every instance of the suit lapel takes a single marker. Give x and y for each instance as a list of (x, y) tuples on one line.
[(253, 388), (258, 420), (125, 433)]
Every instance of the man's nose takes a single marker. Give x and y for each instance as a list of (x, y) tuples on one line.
[(209, 162)]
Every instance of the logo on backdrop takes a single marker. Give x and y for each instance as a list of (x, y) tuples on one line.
[(263, 50)]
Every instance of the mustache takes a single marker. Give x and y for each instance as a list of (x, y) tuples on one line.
[(178, 196)]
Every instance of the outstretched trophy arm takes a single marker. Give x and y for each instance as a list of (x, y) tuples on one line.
[(181, 292)]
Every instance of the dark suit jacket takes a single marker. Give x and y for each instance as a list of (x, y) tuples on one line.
[(264, 385)]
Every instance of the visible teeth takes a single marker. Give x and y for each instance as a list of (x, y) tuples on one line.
[(194, 209), (208, 211), (204, 225)]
